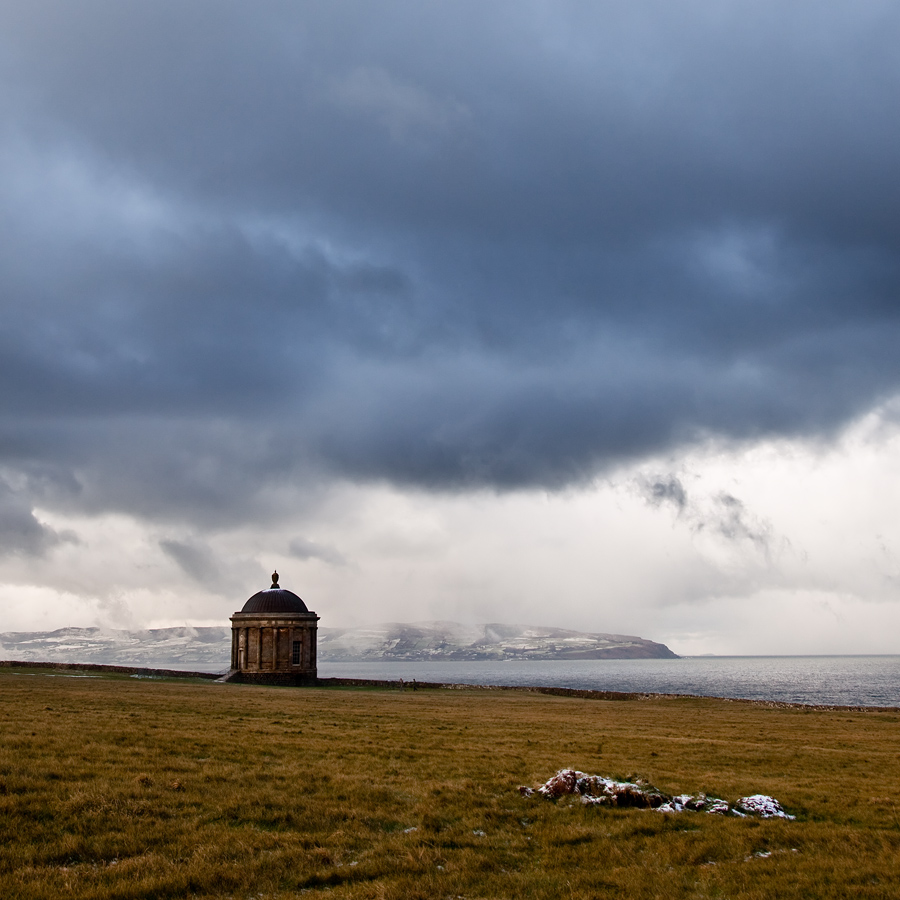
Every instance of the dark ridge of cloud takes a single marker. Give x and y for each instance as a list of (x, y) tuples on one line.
[(21, 534), (507, 247)]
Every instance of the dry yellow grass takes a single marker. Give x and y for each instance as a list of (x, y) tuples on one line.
[(124, 788)]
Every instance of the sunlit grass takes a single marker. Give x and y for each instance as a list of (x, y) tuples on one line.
[(120, 788)]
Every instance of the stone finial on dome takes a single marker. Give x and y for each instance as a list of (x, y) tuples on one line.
[(274, 581)]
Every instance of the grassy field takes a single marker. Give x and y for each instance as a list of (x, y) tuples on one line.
[(115, 787)]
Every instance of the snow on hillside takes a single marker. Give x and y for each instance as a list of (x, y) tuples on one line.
[(209, 649), (450, 640)]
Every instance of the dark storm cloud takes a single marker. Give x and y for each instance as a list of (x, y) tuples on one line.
[(442, 244)]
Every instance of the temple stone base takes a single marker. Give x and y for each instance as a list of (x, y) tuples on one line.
[(284, 679)]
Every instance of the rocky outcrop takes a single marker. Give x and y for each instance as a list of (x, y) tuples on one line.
[(601, 790)]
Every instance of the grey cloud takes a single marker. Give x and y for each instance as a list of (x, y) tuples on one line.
[(444, 245), (734, 522), (212, 571), (20, 531), (721, 515), (666, 489), (196, 561), (304, 549)]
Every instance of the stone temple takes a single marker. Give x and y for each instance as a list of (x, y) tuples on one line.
[(273, 639)]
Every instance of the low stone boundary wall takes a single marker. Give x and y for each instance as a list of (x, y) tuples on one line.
[(586, 694), (452, 686), (99, 667)]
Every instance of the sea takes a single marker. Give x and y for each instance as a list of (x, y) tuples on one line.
[(817, 680)]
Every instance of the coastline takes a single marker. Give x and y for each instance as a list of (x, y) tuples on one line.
[(416, 685)]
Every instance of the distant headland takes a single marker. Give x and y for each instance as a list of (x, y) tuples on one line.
[(452, 641)]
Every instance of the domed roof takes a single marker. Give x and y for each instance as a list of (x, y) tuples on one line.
[(275, 600)]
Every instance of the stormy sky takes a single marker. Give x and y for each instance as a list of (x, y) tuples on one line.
[(574, 313)]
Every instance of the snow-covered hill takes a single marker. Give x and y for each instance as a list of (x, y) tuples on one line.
[(450, 640), (186, 649), (208, 649)]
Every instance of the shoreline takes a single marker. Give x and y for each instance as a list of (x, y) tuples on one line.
[(415, 685)]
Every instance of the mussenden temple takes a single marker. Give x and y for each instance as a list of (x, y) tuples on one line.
[(273, 639)]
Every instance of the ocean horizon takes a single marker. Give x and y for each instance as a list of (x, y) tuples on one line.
[(813, 679), (831, 680)]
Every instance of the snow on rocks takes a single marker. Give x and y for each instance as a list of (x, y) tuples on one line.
[(695, 803), (762, 806), (595, 789), (598, 790)]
